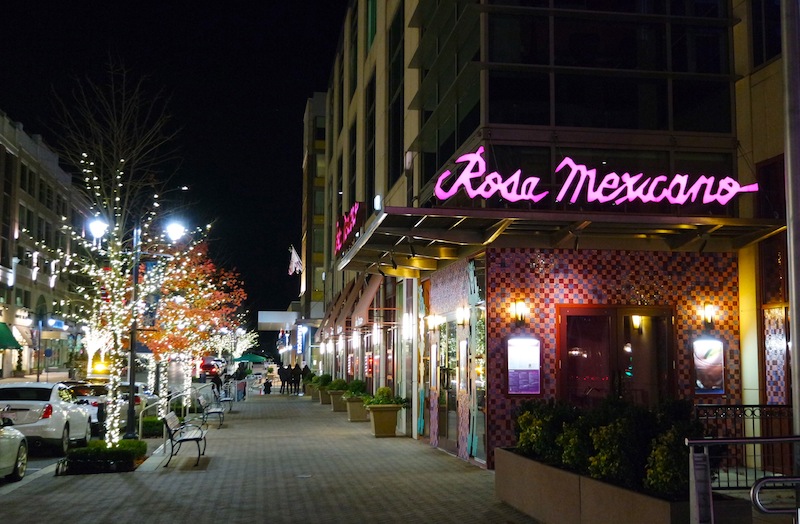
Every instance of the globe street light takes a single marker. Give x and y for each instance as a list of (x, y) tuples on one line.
[(98, 229)]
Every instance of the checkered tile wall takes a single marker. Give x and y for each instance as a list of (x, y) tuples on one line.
[(546, 278)]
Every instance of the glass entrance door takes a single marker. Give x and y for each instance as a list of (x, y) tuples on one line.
[(615, 352), (448, 387)]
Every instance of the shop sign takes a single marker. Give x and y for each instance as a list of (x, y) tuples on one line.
[(583, 184), (348, 226)]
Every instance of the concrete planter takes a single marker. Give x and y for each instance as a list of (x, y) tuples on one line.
[(356, 410), (324, 397), (553, 495), (384, 419), (337, 403), (313, 392)]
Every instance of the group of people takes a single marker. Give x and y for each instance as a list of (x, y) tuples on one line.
[(291, 378)]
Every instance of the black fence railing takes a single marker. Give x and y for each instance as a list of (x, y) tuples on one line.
[(746, 443)]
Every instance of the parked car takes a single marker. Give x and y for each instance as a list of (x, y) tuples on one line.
[(46, 413), (92, 396), (143, 397), (213, 366), (13, 450)]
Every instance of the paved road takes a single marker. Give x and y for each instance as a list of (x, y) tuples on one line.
[(277, 459)]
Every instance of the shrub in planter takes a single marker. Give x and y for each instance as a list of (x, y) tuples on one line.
[(338, 385), (322, 380), (539, 424), (355, 389), (385, 396), (97, 457), (615, 442)]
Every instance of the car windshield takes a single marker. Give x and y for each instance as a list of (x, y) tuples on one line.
[(23, 393)]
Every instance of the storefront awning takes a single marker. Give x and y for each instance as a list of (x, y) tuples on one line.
[(410, 242), (7, 340), (333, 312), (347, 307), (361, 311)]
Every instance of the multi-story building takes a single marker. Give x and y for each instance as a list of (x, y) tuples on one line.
[(38, 200), (555, 199)]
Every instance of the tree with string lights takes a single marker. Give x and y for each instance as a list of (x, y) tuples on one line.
[(116, 136), (196, 300)]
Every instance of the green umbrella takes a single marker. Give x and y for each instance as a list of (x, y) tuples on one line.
[(250, 357)]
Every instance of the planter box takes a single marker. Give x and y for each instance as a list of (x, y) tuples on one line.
[(324, 397), (356, 410), (552, 495), (384, 419), (313, 391), (337, 403), (84, 467)]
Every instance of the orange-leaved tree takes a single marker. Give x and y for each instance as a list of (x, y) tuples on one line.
[(195, 299)]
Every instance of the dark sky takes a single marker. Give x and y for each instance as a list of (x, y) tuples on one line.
[(238, 75)]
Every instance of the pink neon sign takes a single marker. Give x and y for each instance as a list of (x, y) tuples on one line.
[(347, 225), (609, 188)]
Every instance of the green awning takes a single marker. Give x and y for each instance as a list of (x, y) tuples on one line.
[(7, 340)]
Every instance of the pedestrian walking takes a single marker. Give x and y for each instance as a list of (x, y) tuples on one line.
[(285, 374), (297, 373)]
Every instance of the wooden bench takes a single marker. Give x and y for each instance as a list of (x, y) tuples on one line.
[(210, 409), (180, 432)]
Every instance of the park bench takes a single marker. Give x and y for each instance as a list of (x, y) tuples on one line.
[(180, 432), (210, 409)]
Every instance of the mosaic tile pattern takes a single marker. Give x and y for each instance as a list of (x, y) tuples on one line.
[(463, 424), (450, 288), (433, 395), (775, 356), (546, 278)]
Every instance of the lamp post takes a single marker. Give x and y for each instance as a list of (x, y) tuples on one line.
[(137, 251)]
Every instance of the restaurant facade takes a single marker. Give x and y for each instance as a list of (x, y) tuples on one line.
[(533, 199)]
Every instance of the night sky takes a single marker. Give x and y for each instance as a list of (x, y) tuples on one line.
[(237, 75)]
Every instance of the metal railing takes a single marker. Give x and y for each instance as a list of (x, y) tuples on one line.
[(748, 442), (755, 497)]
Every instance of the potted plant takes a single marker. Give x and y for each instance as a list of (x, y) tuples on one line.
[(308, 385), (313, 387), (18, 370), (354, 398), (624, 462), (322, 386), (336, 389), (383, 408)]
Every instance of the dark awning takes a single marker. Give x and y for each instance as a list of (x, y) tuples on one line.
[(361, 311), (347, 308), (7, 339), (410, 242)]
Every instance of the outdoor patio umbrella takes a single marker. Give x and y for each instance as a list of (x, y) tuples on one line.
[(250, 357)]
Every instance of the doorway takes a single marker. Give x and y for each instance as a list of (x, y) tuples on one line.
[(619, 352)]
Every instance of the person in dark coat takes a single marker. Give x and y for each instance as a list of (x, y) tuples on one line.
[(297, 373), (285, 374)]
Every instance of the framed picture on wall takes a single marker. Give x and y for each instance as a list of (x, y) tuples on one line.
[(524, 365), (709, 366)]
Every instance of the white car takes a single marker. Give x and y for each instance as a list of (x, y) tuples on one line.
[(92, 396), (46, 413), (13, 451)]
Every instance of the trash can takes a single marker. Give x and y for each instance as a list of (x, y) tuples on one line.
[(101, 419), (267, 387)]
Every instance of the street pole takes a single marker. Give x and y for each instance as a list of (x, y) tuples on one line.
[(39, 351), (131, 432)]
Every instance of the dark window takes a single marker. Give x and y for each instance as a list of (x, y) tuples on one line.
[(771, 189), (353, 49), (351, 195), (519, 39), (369, 146), (702, 105), (766, 20), (773, 269), (700, 49), (396, 94), (611, 102), (519, 98)]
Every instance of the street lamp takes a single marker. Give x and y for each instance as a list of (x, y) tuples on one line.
[(98, 229)]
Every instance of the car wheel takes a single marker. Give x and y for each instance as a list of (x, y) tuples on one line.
[(63, 444), (21, 464), (88, 436)]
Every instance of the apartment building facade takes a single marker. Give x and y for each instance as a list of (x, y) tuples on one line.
[(536, 199), (38, 200)]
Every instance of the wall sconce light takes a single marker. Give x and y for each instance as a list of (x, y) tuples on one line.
[(636, 323), (462, 316), (519, 310), (709, 313), (434, 321)]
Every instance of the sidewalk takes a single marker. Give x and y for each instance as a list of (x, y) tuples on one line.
[(277, 459)]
